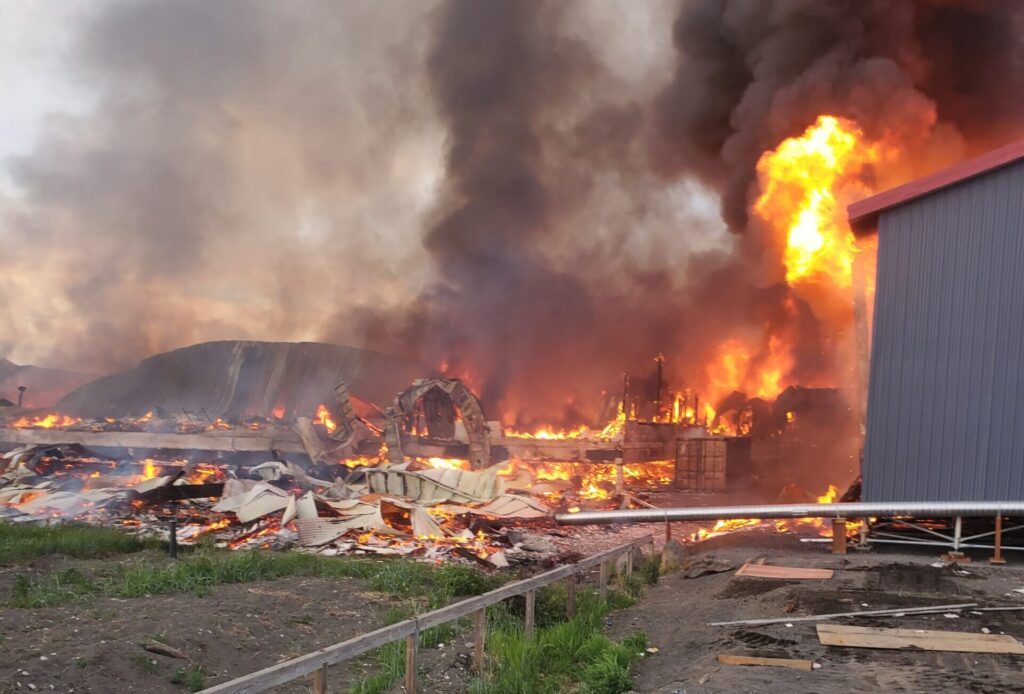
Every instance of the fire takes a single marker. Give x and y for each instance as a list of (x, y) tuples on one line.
[(800, 181), (830, 496), (49, 421), (550, 433), (611, 430), (448, 463), (323, 418), (722, 527), (150, 469), (590, 481)]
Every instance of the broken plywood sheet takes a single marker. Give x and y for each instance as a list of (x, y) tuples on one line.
[(435, 486), (512, 506), (305, 506), (69, 503), (153, 483), (424, 525), (233, 494), (261, 499), (917, 639), (320, 531), (766, 571)]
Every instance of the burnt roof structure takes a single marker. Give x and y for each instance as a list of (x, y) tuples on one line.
[(242, 378)]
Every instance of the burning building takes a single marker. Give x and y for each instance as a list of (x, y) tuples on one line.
[(551, 248)]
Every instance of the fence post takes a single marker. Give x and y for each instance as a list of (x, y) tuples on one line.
[(629, 561), (411, 643), (838, 536), (320, 681), (997, 545), (570, 596), (531, 602), (602, 585), (479, 638)]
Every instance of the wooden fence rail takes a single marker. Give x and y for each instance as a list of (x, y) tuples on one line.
[(316, 663)]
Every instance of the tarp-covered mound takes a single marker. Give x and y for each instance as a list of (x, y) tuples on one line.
[(234, 378), (43, 386)]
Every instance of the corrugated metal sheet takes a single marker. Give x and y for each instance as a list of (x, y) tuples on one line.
[(946, 398)]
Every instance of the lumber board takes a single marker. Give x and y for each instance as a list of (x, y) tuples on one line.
[(211, 441), (771, 662), (767, 571), (917, 639)]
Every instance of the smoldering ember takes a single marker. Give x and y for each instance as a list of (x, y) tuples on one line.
[(512, 346)]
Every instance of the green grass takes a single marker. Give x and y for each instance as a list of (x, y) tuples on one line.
[(192, 677), (21, 541), (571, 655), (205, 569)]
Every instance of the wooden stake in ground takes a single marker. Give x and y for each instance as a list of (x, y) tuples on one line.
[(771, 662), (479, 638), (411, 643)]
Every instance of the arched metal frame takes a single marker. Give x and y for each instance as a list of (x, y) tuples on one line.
[(463, 399)]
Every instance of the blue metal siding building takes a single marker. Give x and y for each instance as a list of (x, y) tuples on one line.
[(945, 417)]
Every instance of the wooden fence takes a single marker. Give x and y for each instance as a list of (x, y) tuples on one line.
[(410, 629)]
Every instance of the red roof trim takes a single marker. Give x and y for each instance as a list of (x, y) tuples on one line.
[(863, 214)]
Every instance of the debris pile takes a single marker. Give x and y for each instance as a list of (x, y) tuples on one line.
[(426, 508)]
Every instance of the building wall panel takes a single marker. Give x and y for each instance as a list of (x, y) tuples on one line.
[(946, 394)]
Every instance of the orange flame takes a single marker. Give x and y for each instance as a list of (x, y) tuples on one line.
[(49, 421), (800, 181), (323, 418)]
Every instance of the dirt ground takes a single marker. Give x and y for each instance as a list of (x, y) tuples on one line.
[(675, 615), (233, 630), (94, 646)]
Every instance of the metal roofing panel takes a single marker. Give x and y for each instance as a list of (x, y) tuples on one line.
[(863, 214)]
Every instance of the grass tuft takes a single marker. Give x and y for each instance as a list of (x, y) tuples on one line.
[(204, 569), (570, 655), (192, 677), (21, 541)]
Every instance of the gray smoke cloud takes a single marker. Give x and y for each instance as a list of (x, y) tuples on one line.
[(753, 73), (516, 191), (247, 166)]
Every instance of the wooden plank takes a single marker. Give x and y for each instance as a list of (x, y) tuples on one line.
[(479, 638), (766, 571), (917, 639), (411, 644), (210, 441), (570, 596), (771, 662), (531, 605), (602, 585)]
